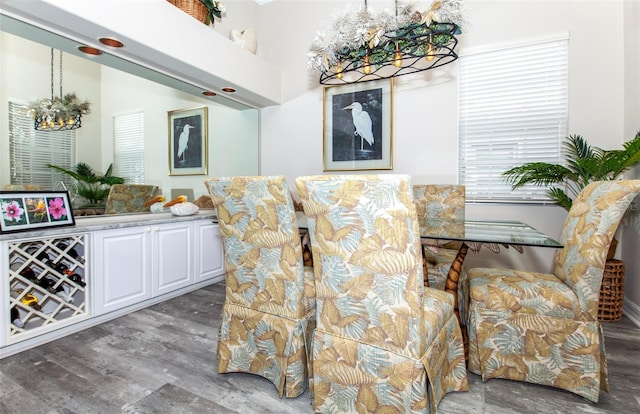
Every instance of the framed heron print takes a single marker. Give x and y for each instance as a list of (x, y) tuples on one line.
[(358, 126), (188, 130)]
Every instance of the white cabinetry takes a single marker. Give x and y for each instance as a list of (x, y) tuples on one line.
[(208, 258), (138, 263), (122, 268), (62, 281), (172, 250)]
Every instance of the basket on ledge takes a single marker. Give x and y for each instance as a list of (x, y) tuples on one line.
[(611, 291), (194, 8)]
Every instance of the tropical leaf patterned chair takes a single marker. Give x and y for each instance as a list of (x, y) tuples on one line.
[(269, 310), (443, 203), (130, 198), (543, 328), (383, 342)]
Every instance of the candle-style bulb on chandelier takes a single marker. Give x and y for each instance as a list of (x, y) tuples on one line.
[(366, 46), (58, 113)]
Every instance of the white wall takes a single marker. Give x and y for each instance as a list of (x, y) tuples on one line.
[(631, 230), (425, 105)]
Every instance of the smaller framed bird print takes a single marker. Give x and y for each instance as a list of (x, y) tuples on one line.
[(188, 131), (358, 126)]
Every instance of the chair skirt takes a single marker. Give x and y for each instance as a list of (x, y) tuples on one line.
[(267, 345)]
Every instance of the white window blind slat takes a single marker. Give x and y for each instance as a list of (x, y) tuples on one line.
[(513, 109), (128, 131)]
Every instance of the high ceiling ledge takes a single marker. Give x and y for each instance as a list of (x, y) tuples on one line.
[(160, 37)]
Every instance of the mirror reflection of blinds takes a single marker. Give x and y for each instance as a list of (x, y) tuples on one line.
[(30, 151), (513, 109), (128, 138)]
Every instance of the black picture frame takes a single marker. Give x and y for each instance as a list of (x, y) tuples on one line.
[(358, 126), (30, 210), (188, 141)]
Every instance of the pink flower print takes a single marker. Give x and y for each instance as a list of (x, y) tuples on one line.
[(56, 208), (12, 211)]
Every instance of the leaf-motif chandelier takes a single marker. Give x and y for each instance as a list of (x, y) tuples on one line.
[(58, 113), (365, 46)]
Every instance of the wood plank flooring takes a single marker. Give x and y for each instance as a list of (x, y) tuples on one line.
[(162, 360)]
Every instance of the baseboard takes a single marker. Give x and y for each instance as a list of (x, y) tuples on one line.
[(631, 311)]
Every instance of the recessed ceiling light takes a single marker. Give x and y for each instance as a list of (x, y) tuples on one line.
[(228, 89), (111, 42), (90, 50), (209, 93)]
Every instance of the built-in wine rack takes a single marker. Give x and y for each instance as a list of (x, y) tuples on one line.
[(47, 282)]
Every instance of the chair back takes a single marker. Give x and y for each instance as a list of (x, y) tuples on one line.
[(586, 235), (130, 198), (440, 201), (367, 259), (262, 251)]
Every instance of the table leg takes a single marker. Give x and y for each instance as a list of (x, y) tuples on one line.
[(451, 286)]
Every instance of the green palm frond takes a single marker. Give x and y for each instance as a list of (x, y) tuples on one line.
[(91, 186), (583, 164), (538, 173)]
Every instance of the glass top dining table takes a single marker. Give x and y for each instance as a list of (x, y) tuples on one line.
[(514, 233)]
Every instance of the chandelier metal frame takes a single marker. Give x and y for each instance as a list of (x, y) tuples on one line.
[(414, 47)]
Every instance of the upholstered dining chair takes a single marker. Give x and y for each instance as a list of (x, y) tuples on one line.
[(443, 203), (130, 198), (544, 328), (269, 310), (383, 342)]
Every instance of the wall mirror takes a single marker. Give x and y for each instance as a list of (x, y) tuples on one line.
[(115, 86)]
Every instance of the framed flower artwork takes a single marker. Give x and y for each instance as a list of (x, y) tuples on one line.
[(30, 210)]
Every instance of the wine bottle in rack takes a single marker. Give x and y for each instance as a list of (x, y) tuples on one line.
[(62, 293), (28, 299), (76, 278), (72, 252), (60, 267), (27, 272), (15, 317), (44, 258), (48, 283)]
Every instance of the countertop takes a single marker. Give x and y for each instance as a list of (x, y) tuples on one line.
[(106, 222)]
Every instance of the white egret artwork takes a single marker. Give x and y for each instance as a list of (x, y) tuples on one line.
[(362, 123), (183, 141)]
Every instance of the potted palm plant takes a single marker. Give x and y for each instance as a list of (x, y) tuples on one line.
[(583, 164), (92, 187)]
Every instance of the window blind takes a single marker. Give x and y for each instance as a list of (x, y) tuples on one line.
[(30, 151), (513, 109), (128, 138)]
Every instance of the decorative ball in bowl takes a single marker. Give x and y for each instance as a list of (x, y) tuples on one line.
[(184, 209)]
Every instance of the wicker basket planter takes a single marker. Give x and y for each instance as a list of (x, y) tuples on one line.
[(194, 8), (611, 291)]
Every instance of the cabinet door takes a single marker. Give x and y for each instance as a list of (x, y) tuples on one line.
[(173, 257), (208, 257), (122, 268)]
